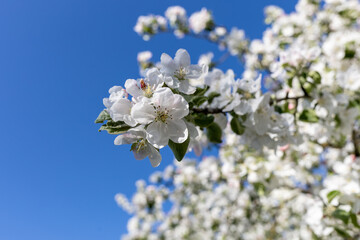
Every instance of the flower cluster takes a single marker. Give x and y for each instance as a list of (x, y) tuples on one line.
[(289, 153), (176, 101)]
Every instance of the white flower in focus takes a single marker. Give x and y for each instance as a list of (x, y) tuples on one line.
[(147, 87), (199, 20), (140, 146), (118, 106), (164, 118), (179, 71)]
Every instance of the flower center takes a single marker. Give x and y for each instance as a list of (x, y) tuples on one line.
[(146, 89), (180, 73), (138, 145), (162, 114)]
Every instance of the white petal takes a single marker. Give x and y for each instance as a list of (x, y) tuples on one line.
[(177, 130), (154, 156), (157, 134), (120, 109), (168, 65), (261, 123), (179, 108), (143, 113), (243, 108), (141, 153), (186, 88), (126, 138), (115, 89), (182, 58), (132, 88), (154, 78), (163, 98), (129, 120), (194, 72)]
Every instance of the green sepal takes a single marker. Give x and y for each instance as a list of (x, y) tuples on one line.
[(115, 127), (103, 116)]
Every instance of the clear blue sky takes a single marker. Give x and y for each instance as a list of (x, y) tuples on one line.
[(58, 58)]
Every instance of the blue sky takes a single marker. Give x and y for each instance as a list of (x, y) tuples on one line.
[(58, 58)]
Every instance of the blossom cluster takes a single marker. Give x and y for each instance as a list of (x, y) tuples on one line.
[(289, 156), (176, 102)]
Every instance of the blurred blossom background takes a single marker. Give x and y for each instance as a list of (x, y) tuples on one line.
[(58, 174)]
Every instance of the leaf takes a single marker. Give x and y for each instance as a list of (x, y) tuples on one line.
[(236, 126), (350, 50), (203, 120), (214, 133), (308, 115), (179, 149), (342, 215), (315, 76), (354, 221), (342, 233), (201, 91), (211, 96), (115, 127), (199, 100), (103, 116), (331, 195)]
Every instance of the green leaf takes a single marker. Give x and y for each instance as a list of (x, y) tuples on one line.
[(308, 115), (342, 233), (342, 215), (103, 116), (350, 50), (354, 221), (199, 100), (236, 126), (200, 91), (331, 195), (115, 127), (337, 120), (212, 95), (179, 149), (214, 133), (314, 236), (203, 120), (315, 76)]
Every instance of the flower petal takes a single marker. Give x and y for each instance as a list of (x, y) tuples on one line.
[(154, 156), (186, 88), (177, 130), (141, 153), (179, 107), (143, 112), (157, 134), (168, 65), (132, 88), (182, 58), (126, 138)]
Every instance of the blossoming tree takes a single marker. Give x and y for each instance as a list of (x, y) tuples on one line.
[(289, 156)]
